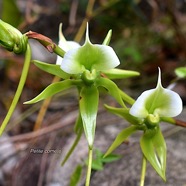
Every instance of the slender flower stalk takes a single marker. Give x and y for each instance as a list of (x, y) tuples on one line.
[(143, 171), (13, 40), (19, 89)]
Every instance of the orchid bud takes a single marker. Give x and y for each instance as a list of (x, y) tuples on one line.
[(12, 39)]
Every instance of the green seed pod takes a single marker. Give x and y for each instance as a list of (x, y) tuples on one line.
[(12, 39)]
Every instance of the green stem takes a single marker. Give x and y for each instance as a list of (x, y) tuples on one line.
[(59, 51), (168, 120), (174, 121), (19, 89), (143, 171), (73, 147), (89, 167)]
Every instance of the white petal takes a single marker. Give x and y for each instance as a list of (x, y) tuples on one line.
[(109, 58), (172, 106), (138, 109), (69, 64), (65, 45), (59, 60)]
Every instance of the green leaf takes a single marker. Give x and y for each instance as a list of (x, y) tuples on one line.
[(124, 113), (75, 177), (126, 97), (89, 98), (119, 73), (53, 89), (112, 89), (97, 164), (154, 149), (110, 158), (51, 69), (181, 72), (107, 38), (121, 137)]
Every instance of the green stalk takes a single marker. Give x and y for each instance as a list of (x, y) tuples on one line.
[(89, 167), (143, 171), (19, 89), (73, 146), (168, 120)]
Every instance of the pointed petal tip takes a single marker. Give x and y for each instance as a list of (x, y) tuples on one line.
[(159, 78), (87, 40), (60, 31)]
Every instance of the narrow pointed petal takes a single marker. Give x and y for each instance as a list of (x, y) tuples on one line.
[(51, 69), (119, 73), (124, 113), (112, 88), (53, 89), (107, 38), (121, 137)]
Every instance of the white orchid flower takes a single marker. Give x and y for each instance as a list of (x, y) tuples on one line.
[(89, 57), (156, 103)]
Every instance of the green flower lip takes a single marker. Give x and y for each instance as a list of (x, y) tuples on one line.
[(88, 57), (159, 101)]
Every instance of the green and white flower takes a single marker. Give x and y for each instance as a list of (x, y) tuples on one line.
[(158, 102), (89, 57)]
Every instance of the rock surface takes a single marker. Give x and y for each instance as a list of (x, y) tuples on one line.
[(126, 171)]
